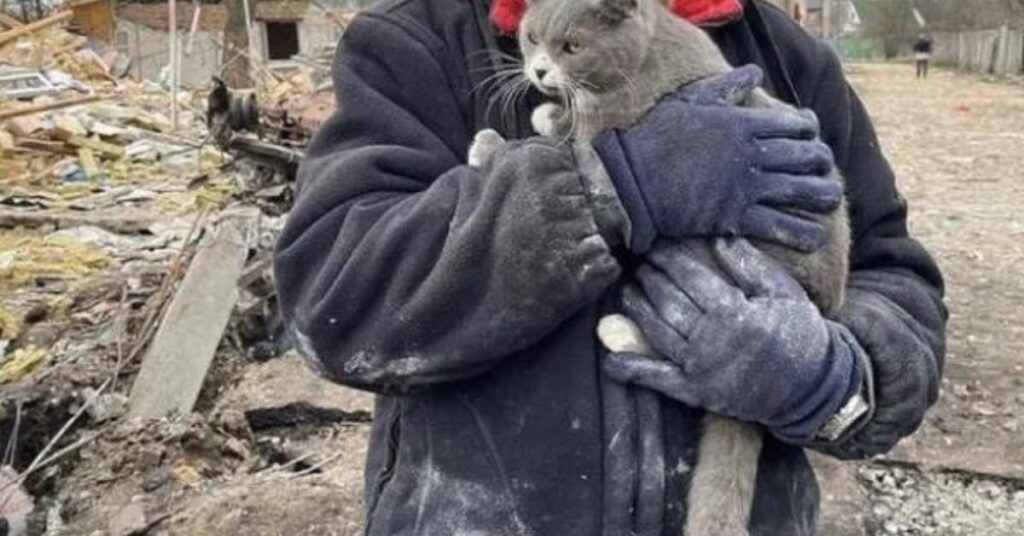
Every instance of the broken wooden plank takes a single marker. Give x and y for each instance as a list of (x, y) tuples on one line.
[(25, 29), (87, 161), (117, 221), (45, 107), (104, 149), (175, 365), (23, 126), (6, 143), (66, 127), (55, 147)]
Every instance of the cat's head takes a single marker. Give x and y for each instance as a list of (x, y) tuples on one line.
[(591, 45)]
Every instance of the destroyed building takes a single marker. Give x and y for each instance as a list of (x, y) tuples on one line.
[(284, 32), (145, 386)]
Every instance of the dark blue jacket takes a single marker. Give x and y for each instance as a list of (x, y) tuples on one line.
[(471, 309)]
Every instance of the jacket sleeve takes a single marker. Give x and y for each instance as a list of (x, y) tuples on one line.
[(894, 304), (399, 265)]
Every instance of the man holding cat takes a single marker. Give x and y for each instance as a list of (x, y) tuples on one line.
[(468, 299)]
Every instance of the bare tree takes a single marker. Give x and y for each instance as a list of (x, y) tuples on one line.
[(892, 21)]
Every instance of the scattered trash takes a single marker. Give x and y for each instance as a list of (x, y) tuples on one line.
[(21, 363), (24, 83), (135, 282), (15, 504)]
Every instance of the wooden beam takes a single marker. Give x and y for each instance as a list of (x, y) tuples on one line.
[(55, 147), (56, 105), (87, 161), (12, 34), (176, 363), (105, 149)]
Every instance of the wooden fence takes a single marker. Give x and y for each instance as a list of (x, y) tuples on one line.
[(999, 52)]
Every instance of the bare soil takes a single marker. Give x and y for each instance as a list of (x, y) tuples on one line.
[(956, 142)]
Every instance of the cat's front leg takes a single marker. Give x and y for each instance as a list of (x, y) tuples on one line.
[(485, 145)]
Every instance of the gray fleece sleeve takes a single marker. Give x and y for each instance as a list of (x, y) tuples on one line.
[(400, 266)]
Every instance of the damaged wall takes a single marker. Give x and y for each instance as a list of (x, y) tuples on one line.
[(148, 47), (142, 33)]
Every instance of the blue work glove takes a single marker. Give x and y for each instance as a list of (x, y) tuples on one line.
[(758, 352), (696, 166)]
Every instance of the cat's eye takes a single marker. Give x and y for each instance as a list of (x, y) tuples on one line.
[(572, 46), (532, 37)]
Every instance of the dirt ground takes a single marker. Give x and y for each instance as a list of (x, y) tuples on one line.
[(957, 145)]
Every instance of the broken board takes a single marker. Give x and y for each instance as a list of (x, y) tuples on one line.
[(175, 365)]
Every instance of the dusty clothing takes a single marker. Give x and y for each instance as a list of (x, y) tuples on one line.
[(922, 56), (923, 48), (469, 302)]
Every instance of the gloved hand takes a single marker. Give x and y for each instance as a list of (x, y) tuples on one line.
[(695, 166), (759, 352)]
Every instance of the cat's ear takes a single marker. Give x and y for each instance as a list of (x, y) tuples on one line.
[(616, 11)]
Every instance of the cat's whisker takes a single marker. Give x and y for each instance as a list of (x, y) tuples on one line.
[(498, 77), (508, 96), (505, 96), (497, 54), (572, 98), (631, 87)]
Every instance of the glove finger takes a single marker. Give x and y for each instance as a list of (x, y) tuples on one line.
[(731, 88), (795, 156), (706, 289), (674, 305), (767, 123), (652, 373), (662, 336), (754, 271), (789, 230), (807, 193)]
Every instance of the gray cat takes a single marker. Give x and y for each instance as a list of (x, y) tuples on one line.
[(609, 62)]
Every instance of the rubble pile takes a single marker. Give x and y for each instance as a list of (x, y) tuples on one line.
[(139, 337)]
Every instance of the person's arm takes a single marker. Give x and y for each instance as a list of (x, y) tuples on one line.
[(400, 266), (894, 302), (734, 353)]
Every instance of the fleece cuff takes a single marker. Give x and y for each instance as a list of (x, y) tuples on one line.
[(843, 380)]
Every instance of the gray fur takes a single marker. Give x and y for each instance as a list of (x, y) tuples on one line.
[(624, 56)]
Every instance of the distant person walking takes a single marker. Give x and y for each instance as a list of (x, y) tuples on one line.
[(922, 55)]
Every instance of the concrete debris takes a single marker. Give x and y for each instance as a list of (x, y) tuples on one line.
[(174, 368), (15, 503), (905, 502), (128, 521)]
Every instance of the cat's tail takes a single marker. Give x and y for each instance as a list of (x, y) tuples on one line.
[(722, 485)]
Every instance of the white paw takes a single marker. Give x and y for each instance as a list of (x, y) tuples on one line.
[(544, 117), (485, 144), (620, 334)]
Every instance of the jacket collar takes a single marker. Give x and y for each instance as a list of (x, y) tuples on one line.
[(506, 14)]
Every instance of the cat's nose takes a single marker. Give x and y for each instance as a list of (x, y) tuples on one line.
[(541, 73)]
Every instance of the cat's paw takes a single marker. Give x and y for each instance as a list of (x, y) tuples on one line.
[(620, 334), (545, 118), (486, 143)]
